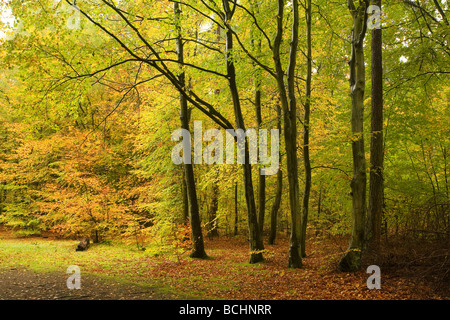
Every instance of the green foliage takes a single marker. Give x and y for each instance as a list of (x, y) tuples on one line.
[(85, 150)]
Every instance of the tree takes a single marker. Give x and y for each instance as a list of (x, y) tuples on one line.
[(256, 244), (289, 107), (198, 250), (375, 209), (352, 259), (278, 192), (306, 130)]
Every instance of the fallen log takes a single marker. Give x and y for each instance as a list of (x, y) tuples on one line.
[(83, 245)]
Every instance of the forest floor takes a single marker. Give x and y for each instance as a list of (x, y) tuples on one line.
[(35, 268)]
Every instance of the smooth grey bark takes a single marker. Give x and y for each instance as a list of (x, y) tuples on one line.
[(352, 259), (255, 239), (289, 107), (375, 211), (198, 248), (306, 131)]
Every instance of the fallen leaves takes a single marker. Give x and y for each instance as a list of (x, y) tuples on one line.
[(225, 275)]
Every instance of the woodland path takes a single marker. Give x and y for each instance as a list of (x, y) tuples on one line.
[(21, 284)]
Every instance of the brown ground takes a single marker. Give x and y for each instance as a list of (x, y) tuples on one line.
[(19, 284), (411, 270)]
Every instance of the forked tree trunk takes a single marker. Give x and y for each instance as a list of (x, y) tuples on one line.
[(289, 106), (198, 248), (255, 239), (352, 259)]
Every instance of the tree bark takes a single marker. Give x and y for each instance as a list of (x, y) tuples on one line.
[(185, 198), (306, 131), (261, 177), (275, 208), (289, 106), (375, 211), (255, 239), (256, 44), (352, 259), (198, 248), (236, 217), (279, 192), (212, 230)]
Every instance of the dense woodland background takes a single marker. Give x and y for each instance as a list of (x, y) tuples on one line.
[(88, 106)]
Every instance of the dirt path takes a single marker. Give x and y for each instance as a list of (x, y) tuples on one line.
[(19, 284)]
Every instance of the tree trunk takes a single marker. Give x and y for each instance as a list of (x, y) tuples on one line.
[(262, 178), (375, 211), (306, 132), (185, 198), (198, 248), (212, 230), (256, 45), (236, 218), (275, 208), (279, 192), (255, 239), (289, 106), (352, 259)]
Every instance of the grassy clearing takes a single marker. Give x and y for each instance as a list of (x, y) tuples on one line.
[(116, 262), (226, 275)]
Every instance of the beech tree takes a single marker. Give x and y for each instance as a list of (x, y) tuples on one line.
[(352, 259), (198, 250), (306, 129), (375, 209)]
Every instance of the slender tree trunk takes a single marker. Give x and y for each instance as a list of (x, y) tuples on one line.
[(444, 156), (275, 208), (352, 259), (289, 106), (290, 124), (2, 197), (236, 217), (306, 131), (375, 211), (279, 192), (213, 232), (185, 198), (256, 44), (262, 178), (198, 249), (255, 239)]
